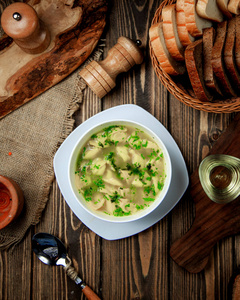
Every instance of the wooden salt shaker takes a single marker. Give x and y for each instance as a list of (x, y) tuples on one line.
[(101, 76), (20, 21)]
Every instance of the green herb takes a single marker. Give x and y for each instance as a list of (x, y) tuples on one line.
[(145, 145), (97, 167), (99, 183), (160, 185), (100, 144), (88, 193), (115, 197), (153, 154), (109, 156), (109, 129), (139, 207), (142, 156), (118, 212), (109, 142), (94, 136), (149, 199)]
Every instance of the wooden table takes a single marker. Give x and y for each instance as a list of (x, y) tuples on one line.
[(138, 267)]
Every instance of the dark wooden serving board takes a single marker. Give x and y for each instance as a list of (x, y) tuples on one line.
[(75, 26), (212, 221)]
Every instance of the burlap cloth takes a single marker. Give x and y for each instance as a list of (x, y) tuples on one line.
[(33, 133)]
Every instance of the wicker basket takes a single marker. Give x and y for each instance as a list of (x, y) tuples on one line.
[(180, 92)]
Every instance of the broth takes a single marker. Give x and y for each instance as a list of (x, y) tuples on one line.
[(120, 171)]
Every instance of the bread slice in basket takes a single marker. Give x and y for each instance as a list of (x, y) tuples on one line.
[(194, 64), (208, 74), (234, 6), (166, 61), (195, 24), (184, 36), (170, 32), (218, 62), (209, 9), (229, 54), (237, 42), (223, 6)]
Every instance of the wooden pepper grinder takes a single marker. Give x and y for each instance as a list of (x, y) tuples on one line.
[(101, 76), (20, 21)]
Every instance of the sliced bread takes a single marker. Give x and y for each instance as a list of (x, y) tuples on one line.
[(170, 32), (229, 54), (166, 61), (194, 64), (208, 74), (194, 23), (223, 6), (219, 68), (233, 6), (237, 42), (184, 36), (208, 9)]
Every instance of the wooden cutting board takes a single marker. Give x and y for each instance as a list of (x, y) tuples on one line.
[(212, 221), (75, 27)]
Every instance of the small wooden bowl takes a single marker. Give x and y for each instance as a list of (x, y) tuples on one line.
[(11, 201)]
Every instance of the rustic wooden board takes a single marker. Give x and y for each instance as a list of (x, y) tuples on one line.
[(75, 28), (213, 221)]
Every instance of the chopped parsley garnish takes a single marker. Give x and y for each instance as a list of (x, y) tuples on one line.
[(99, 183), (160, 185), (148, 199), (118, 212), (109, 156), (115, 197)]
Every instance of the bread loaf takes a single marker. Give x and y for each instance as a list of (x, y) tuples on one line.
[(194, 64), (219, 68), (170, 32), (209, 77), (167, 63)]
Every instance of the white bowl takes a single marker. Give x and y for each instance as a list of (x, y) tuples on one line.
[(72, 166)]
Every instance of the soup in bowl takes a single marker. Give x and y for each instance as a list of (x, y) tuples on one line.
[(120, 171)]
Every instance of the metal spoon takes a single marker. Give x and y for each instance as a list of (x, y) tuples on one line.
[(51, 251)]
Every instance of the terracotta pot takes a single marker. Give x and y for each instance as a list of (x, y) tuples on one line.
[(11, 201)]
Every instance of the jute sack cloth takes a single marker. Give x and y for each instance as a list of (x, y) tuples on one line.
[(32, 134)]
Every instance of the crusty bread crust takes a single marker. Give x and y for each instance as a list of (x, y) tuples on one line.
[(217, 60), (233, 6), (237, 42), (228, 54), (223, 6), (183, 33), (170, 32), (209, 77), (208, 9), (167, 63), (194, 23), (193, 58)]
